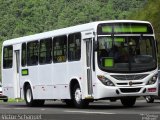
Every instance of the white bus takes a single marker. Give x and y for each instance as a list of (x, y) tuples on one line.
[(94, 61)]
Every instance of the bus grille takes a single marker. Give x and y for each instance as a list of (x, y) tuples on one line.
[(134, 83), (129, 77), (129, 90)]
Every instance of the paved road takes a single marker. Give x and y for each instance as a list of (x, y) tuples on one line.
[(100, 110)]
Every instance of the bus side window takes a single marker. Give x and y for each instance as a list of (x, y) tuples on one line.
[(32, 53), (74, 47), (7, 57), (59, 49), (45, 51), (23, 54)]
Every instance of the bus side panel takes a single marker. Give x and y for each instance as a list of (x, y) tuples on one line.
[(75, 71), (33, 77), (59, 77), (8, 82), (46, 87)]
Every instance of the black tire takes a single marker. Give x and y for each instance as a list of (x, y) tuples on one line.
[(28, 96), (77, 98), (128, 101), (149, 99)]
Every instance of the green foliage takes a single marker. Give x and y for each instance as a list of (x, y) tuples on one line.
[(20, 18)]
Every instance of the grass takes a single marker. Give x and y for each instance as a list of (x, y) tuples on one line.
[(11, 100), (15, 100)]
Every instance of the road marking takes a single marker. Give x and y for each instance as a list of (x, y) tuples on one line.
[(13, 108), (19, 108), (88, 112), (42, 109), (4, 108)]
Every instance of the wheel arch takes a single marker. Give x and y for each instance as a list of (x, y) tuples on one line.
[(73, 82), (25, 85)]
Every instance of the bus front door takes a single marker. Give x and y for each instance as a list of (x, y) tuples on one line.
[(88, 64), (87, 37)]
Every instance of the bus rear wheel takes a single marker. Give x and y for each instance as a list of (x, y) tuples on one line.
[(28, 96), (77, 98), (128, 101)]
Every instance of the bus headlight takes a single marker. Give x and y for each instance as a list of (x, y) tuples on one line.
[(105, 80), (152, 80)]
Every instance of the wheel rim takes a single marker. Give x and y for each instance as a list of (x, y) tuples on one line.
[(78, 95), (148, 98), (28, 95)]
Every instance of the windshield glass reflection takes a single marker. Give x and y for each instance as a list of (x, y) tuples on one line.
[(127, 54)]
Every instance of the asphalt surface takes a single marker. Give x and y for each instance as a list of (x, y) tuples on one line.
[(99, 110)]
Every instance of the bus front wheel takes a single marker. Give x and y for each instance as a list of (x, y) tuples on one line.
[(77, 98), (28, 96), (128, 101), (149, 99)]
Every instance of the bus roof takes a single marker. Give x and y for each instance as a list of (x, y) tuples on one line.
[(63, 31)]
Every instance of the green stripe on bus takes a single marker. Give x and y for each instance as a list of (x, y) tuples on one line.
[(24, 72), (130, 29), (124, 29), (119, 39), (107, 29), (108, 62)]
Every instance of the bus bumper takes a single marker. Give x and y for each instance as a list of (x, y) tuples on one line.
[(102, 91)]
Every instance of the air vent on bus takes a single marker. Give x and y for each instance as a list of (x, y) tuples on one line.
[(134, 83), (130, 90), (129, 77)]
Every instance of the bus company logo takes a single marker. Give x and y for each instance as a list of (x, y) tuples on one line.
[(130, 83)]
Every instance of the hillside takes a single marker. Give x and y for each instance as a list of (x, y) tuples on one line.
[(21, 17)]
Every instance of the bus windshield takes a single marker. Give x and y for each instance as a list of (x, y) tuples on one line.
[(126, 54)]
